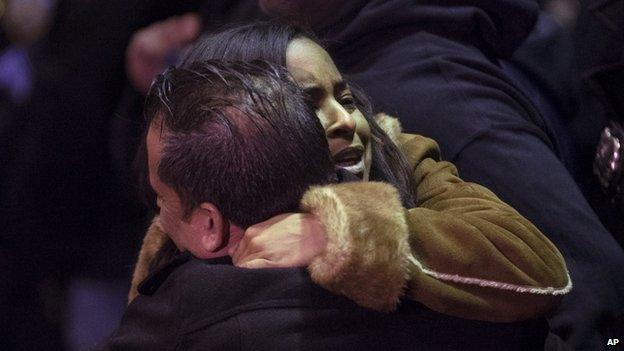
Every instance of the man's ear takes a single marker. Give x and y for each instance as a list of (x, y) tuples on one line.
[(211, 226)]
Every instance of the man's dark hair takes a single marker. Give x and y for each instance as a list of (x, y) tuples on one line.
[(237, 135)]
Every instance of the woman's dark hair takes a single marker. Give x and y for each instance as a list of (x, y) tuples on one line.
[(269, 41)]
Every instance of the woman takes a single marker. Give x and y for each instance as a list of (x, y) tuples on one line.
[(458, 248)]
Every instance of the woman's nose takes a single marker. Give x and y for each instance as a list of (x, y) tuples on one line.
[(341, 124)]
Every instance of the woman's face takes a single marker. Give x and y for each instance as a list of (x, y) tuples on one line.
[(347, 131)]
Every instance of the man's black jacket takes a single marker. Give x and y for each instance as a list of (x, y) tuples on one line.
[(211, 305)]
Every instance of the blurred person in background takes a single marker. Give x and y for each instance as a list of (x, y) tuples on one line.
[(598, 127), (573, 62)]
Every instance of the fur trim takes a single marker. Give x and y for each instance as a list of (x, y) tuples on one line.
[(366, 258), (415, 147), (154, 239), (390, 125)]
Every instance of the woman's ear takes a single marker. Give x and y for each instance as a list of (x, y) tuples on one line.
[(210, 226)]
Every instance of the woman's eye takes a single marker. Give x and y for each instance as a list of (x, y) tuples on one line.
[(348, 102)]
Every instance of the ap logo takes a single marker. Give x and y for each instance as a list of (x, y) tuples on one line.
[(613, 342)]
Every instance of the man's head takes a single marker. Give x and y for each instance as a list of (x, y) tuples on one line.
[(229, 143)]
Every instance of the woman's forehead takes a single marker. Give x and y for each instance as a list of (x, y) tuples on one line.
[(307, 61)]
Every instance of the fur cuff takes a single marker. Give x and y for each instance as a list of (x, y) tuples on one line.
[(367, 255)]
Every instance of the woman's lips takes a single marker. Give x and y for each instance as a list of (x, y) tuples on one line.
[(350, 159)]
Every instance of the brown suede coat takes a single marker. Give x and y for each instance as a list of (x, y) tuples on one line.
[(461, 251)]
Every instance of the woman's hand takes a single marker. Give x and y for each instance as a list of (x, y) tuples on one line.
[(286, 240)]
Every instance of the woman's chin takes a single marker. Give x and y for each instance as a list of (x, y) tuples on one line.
[(357, 170)]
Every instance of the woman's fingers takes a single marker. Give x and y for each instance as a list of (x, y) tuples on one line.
[(250, 242), (286, 240), (258, 263)]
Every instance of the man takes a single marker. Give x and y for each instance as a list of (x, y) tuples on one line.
[(230, 145)]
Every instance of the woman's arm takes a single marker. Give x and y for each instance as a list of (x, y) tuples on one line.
[(472, 255)]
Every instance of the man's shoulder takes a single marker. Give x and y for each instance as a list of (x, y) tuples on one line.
[(219, 283), (214, 292), (200, 276), (219, 304), (220, 274)]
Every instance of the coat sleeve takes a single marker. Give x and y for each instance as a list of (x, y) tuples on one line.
[(464, 251)]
